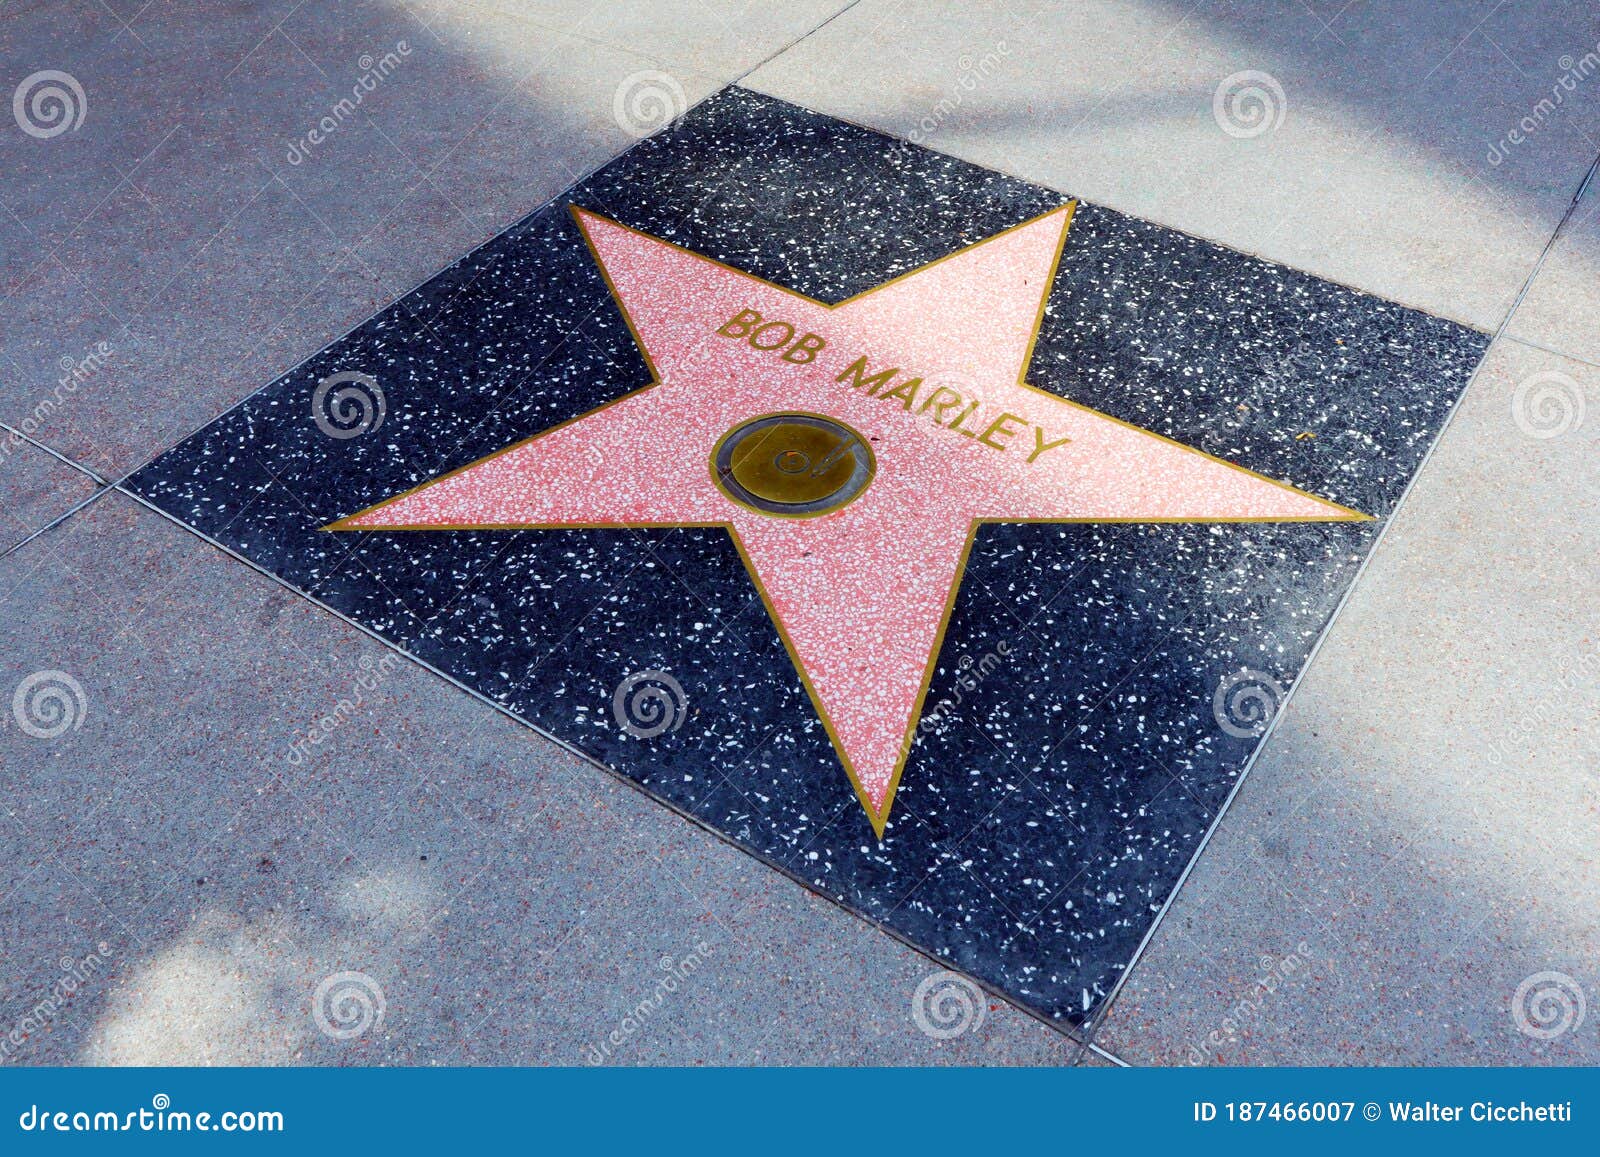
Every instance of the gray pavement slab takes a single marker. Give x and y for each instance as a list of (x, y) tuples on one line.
[(199, 876), (1366, 144), (35, 488), (193, 227), (1417, 839), (716, 38), (1408, 868), (1561, 311)]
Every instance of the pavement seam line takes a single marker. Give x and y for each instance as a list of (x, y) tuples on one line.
[(1103, 1012), (1069, 1031)]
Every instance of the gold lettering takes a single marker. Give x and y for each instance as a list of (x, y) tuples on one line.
[(962, 417), (906, 390), (739, 324), (804, 350), (1041, 445), (874, 382), (998, 426), (941, 407), (788, 332), (938, 402)]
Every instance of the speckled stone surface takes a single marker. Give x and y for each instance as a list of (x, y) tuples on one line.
[(1042, 823), (1417, 839), (1367, 143), (510, 902), (1561, 305), (174, 226), (718, 38), (35, 488)]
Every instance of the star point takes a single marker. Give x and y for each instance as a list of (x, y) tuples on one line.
[(767, 407)]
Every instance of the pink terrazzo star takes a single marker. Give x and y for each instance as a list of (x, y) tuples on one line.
[(860, 594)]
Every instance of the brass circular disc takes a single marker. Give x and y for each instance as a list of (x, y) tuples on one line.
[(794, 465)]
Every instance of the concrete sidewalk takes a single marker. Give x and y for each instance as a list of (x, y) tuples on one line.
[(1408, 873)]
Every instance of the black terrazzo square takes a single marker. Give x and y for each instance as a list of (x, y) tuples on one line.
[(1049, 806)]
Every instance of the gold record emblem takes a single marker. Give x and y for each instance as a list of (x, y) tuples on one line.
[(792, 465)]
